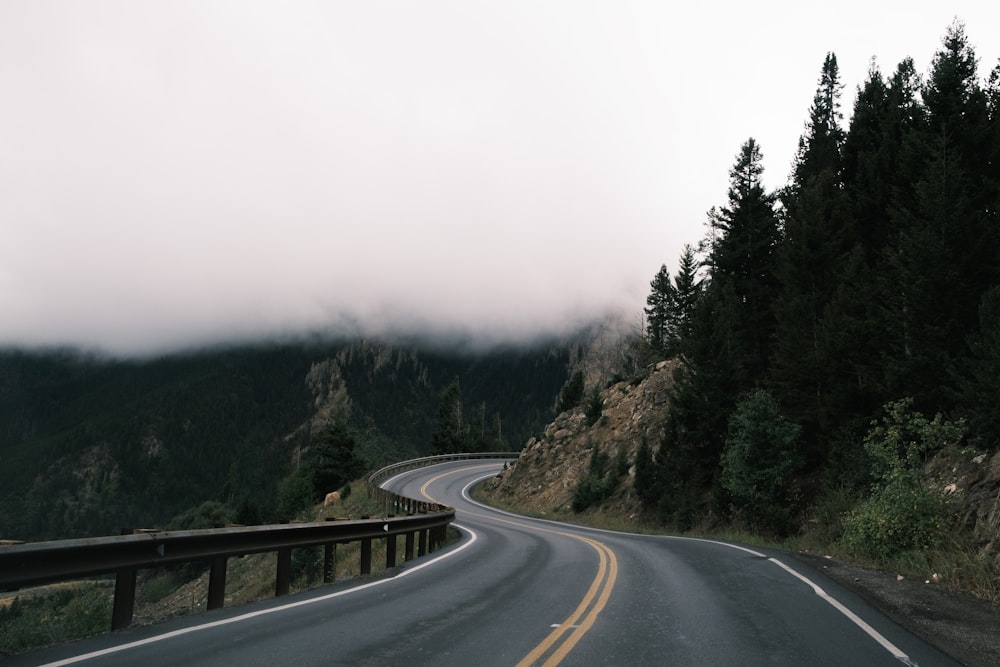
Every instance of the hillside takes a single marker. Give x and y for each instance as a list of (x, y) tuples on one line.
[(551, 466), (89, 445)]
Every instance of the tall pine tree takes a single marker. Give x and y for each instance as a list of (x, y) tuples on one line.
[(945, 255), (811, 254), (660, 331)]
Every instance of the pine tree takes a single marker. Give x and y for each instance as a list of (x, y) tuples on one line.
[(810, 257), (880, 167), (945, 254), (741, 262), (687, 292), (335, 462), (450, 435), (660, 332), (726, 348)]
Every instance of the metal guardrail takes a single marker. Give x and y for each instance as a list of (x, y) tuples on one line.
[(392, 502), (424, 527), (388, 471), (34, 563)]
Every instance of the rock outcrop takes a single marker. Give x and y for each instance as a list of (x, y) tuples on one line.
[(973, 479), (550, 467)]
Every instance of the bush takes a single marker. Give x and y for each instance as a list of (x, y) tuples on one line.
[(600, 481), (760, 461), (901, 514)]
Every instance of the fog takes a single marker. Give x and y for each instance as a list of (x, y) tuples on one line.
[(175, 174)]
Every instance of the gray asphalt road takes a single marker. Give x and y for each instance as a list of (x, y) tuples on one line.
[(517, 591)]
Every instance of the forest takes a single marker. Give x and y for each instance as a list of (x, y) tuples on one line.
[(90, 445), (838, 332)]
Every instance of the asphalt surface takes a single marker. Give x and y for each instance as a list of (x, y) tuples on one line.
[(519, 591)]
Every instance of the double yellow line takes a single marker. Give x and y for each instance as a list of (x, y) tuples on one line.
[(585, 614), (588, 609)]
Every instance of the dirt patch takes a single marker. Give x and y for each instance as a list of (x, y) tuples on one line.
[(960, 625)]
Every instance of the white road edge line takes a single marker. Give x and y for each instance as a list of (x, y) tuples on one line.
[(264, 612), (833, 602)]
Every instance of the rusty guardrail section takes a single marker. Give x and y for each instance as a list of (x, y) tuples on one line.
[(424, 527)]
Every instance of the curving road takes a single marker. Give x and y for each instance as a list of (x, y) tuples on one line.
[(518, 591)]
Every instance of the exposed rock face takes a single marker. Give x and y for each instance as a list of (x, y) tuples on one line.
[(549, 469), (973, 479)]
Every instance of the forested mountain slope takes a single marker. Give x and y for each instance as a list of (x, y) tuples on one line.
[(89, 445)]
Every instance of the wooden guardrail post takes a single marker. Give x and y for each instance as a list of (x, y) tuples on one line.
[(217, 583), (124, 604)]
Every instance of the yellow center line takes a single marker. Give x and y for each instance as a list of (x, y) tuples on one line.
[(603, 583)]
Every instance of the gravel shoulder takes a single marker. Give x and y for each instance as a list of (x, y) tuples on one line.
[(960, 625)]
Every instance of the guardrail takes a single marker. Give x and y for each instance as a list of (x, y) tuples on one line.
[(392, 502), (424, 528)]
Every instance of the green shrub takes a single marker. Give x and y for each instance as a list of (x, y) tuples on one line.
[(901, 514), (601, 479)]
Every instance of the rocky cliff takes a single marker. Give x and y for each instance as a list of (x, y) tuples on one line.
[(550, 466)]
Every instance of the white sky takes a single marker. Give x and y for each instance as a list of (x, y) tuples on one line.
[(181, 172)]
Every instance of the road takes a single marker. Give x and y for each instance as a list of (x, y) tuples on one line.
[(524, 592)]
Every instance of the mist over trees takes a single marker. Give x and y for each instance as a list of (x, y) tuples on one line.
[(872, 277)]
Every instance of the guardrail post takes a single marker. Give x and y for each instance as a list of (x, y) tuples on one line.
[(422, 543), (217, 583), (437, 538), (408, 549), (283, 576), (390, 551), (124, 605), (329, 562), (366, 555)]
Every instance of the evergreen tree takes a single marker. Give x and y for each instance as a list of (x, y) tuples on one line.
[(742, 262), (497, 443), (687, 292), (334, 459), (645, 475), (572, 393), (945, 256), (670, 305), (760, 462), (478, 436), (810, 258), (879, 169), (450, 435), (727, 343), (660, 331), (980, 376)]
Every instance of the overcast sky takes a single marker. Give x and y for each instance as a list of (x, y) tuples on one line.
[(176, 173)]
